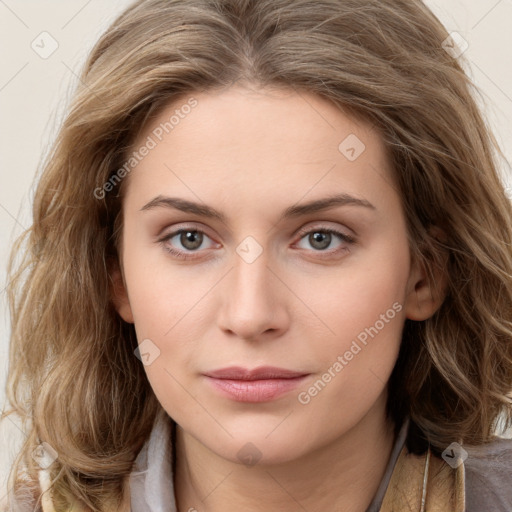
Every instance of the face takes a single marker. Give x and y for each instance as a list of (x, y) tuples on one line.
[(263, 229)]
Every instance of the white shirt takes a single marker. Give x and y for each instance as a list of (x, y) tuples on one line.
[(151, 480)]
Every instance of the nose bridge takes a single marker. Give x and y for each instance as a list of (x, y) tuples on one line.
[(251, 304), (251, 277)]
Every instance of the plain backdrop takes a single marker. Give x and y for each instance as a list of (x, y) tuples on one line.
[(34, 91)]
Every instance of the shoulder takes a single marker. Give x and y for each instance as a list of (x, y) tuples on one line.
[(488, 475)]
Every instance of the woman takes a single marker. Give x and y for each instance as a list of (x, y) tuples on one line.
[(270, 268)]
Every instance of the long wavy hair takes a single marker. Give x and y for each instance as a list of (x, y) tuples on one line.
[(73, 377)]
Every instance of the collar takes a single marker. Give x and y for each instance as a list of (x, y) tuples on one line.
[(151, 480)]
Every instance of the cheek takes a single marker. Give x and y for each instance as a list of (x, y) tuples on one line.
[(351, 299), (365, 326), (161, 292), (170, 307), (367, 316), (362, 310)]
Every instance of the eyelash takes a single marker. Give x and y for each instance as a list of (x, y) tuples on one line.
[(188, 256)]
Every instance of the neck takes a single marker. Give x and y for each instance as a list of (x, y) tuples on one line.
[(341, 475)]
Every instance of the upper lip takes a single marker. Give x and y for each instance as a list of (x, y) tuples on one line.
[(260, 373)]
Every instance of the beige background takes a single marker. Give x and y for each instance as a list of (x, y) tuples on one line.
[(34, 91)]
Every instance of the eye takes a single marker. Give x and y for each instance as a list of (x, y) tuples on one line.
[(191, 239), (322, 238)]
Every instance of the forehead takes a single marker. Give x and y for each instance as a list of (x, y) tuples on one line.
[(263, 141)]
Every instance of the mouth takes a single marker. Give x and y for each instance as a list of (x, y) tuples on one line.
[(257, 385)]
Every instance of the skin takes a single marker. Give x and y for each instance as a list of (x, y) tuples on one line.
[(251, 153)]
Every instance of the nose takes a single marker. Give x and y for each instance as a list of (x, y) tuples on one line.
[(254, 301)]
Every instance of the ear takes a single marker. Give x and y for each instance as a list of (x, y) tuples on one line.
[(426, 290), (119, 294)]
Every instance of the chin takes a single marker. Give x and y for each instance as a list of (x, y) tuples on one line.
[(252, 446)]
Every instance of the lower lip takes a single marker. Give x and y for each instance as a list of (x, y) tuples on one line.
[(255, 390)]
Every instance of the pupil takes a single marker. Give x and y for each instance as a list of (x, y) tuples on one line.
[(191, 239), (323, 238)]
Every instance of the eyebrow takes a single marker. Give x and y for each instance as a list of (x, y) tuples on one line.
[(291, 212)]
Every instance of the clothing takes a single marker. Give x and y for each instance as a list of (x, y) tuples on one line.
[(489, 477), (480, 484)]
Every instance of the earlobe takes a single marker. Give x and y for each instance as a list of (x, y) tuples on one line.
[(119, 295), (426, 291)]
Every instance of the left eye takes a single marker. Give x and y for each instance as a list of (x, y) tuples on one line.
[(190, 239), (320, 239)]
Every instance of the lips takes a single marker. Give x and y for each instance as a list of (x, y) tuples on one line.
[(254, 385), (261, 373)]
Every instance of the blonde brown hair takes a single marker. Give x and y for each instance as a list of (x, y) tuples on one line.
[(73, 377)]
